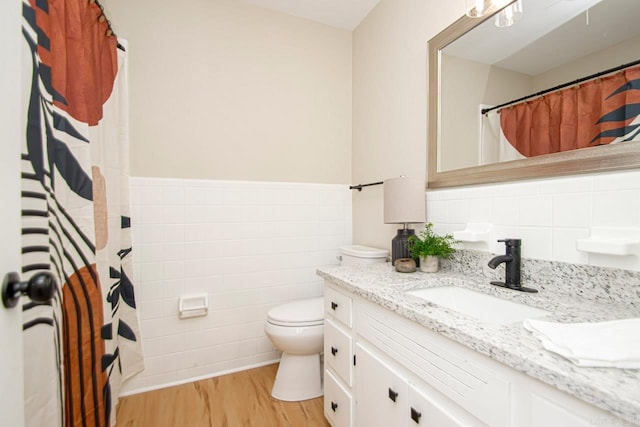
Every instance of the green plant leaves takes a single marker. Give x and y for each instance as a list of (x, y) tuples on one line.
[(427, 242)]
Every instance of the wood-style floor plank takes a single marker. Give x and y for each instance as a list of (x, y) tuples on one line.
[(242, 399)]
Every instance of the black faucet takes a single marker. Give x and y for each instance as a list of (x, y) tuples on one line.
[(512, 266)]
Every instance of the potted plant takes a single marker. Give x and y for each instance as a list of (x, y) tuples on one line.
[(430, 247)]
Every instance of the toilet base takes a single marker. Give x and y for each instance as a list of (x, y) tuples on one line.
[(299, 377)]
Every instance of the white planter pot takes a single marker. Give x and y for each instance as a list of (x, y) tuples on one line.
[(429, 264)]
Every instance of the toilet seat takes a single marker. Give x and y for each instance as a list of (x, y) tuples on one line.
[(308, 312), (295, 324)]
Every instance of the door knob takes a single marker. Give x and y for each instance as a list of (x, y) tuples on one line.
[(40, 288)]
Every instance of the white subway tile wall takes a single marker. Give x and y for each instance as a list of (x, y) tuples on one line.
[(248, 245), (548, 215)]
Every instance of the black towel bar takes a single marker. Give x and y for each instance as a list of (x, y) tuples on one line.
[(360, 186)]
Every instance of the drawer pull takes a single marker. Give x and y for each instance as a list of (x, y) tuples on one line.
[(415, 415), (334, 305), (334, 406), (393, 395), (334, 350)]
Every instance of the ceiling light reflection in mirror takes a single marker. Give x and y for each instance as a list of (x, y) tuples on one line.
[(509, 15), (480, 8)]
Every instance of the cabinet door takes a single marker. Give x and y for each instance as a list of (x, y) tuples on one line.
[(380, 392), (337, 402), (429, 408), (545, 413)]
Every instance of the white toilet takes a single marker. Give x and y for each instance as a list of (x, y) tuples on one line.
[(297, 330)]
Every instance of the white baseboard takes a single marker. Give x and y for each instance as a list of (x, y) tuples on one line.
[(194, 379)]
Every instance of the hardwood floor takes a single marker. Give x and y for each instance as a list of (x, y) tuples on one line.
[(242, 399)]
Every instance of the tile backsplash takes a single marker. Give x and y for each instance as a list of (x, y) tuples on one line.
[(248, 245), (549, 215), (605, 285), (253, 245)]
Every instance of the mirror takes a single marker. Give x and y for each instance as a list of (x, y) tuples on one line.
[(473, 64)]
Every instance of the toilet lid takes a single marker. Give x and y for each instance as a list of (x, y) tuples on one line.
[(306, 312)]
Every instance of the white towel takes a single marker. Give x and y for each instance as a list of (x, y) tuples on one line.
[(614, 343)]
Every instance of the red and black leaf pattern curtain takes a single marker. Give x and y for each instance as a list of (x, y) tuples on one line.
[(75, 216), (599, 112)]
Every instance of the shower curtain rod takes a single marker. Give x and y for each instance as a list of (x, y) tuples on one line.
[(102, 18), (562, 86)]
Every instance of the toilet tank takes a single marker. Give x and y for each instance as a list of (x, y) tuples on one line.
[(362, 255)]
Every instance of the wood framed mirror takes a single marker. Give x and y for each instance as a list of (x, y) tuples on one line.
[(541, 47)]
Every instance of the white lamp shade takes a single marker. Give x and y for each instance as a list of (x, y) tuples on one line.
[(404, 200)]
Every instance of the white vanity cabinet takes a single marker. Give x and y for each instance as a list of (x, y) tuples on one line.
[(365, 387), (382, 369), (338, 358), (385, 397), (442, 371)]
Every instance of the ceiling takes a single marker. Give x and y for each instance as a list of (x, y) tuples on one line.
[(345, 14)]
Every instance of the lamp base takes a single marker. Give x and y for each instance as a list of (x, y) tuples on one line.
[(400, 244)]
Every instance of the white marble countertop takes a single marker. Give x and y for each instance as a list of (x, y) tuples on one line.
[(614, 390)]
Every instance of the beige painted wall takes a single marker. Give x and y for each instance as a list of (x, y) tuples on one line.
[(225, 90), (469, 84), (390, 103), (613, 56)]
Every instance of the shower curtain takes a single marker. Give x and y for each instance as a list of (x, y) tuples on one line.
[(75, 216)]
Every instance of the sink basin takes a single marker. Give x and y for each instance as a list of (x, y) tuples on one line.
[(476, 304)]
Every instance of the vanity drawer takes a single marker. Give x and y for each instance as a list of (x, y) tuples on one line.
[(337, 402), (338, 305), (338, 351)]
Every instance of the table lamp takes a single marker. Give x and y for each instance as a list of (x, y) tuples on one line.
[(404, 203)]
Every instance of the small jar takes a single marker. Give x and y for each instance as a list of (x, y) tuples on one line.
[(405, 265)]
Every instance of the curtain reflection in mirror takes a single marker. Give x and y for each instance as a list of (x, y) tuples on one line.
[(599, 112), (494, 146)]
